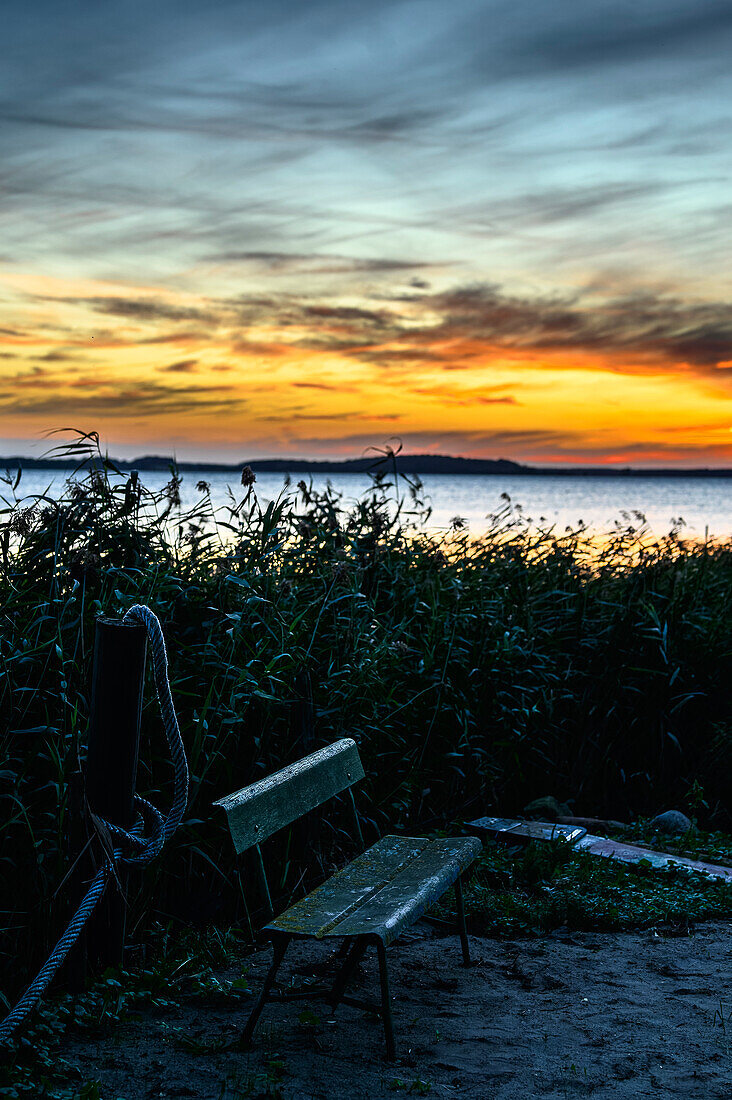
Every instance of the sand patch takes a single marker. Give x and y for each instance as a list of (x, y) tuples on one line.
[(566, 1015)]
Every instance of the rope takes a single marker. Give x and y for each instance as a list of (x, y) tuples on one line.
[(130, 846)]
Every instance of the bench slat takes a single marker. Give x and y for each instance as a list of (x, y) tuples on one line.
[(418, 886), (383, 891), (256, 812), (319, 913)]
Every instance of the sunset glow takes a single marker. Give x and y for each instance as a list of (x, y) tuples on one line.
[(251, 238)]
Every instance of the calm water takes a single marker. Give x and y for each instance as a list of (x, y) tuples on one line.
[(703, 503)]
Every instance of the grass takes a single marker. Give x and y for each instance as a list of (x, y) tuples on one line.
[(548, 886), (475, 675), (182, 968)]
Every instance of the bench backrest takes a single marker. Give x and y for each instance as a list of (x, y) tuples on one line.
[(256, 812)]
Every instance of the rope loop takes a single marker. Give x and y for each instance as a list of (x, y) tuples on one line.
[(121, 846)]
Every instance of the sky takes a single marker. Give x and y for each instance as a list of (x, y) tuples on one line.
[(497, 229)]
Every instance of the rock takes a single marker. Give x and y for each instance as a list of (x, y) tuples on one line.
[(546, 809), (672, 821)]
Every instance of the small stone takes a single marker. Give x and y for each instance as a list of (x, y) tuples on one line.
[(672, 822), (546, 809)]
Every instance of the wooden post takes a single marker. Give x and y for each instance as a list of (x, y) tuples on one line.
[(111, 768)]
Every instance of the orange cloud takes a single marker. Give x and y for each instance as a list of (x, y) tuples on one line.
[(643, 378)]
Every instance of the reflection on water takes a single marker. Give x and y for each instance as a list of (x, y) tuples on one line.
[(704, 504)]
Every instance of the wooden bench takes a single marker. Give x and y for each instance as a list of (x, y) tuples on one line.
[(371, 901)]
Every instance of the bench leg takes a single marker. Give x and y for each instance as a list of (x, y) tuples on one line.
[(345, 947), (386, 1003), (355, 954), (279, 946), (461, 920)]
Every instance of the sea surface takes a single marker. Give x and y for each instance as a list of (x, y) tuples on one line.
[(704, 504)]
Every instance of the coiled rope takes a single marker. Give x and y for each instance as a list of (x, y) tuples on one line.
[(131, 846)]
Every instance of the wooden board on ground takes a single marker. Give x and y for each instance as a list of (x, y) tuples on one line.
[(631, 853), (512, 830)]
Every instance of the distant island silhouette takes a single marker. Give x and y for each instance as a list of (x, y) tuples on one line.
[(406, 463)]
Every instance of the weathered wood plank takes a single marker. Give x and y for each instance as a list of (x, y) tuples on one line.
[(318, 914), (659, 861), (256, 812), (511, 828), (383, 891), (413, 890)]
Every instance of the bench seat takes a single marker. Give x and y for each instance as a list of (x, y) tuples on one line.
[(381, 892)]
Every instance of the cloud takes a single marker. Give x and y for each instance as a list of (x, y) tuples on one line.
[(257, 347), (139, 399), (36, 377), (617, 35), (348, 314), (315, 263), (57, 355), (183, 366), (459, 327), (468, 398), (146, 309), (392, 356), (182, 336), (637, 330), (194, 113), (266, 137), (659, 331), (296, 416), (318, 386), (543, 207), (499, 444)]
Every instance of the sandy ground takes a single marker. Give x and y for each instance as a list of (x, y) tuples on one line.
[(569, 1015)]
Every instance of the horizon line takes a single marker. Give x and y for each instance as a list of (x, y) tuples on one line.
[(460, 464)]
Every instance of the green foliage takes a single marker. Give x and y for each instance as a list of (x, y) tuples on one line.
[(417, 1087), (309, 1020), (182, 968), (264, 1085), (474, 675), (533, 890), (712, 847)]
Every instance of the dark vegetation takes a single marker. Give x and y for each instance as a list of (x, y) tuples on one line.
[(547, 886), (475, 675)]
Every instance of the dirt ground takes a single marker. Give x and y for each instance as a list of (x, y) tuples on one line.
[(568, 1015)]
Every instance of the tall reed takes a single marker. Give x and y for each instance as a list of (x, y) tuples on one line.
[(475, 675)]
